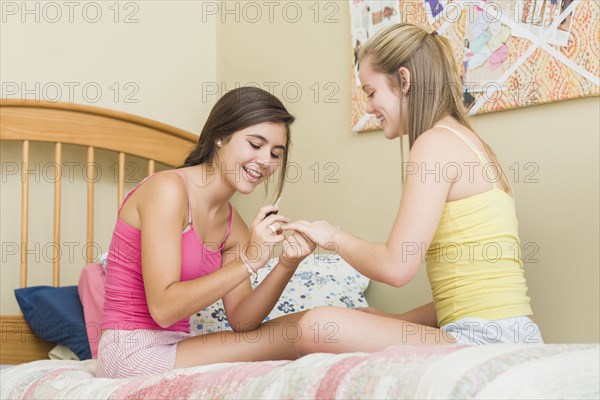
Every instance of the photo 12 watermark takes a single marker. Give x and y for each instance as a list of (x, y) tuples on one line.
[(471, 171), (71, 92), (48, 252), (54, 12), (254, 12), (326, 92)]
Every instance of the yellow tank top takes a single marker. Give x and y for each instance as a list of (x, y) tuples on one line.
[(474, 261)]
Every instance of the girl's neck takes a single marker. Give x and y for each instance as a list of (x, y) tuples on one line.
[(447, 120), (206, 187)]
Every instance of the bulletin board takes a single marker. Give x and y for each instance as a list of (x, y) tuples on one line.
[(512, 53)]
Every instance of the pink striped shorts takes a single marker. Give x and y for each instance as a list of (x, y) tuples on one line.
[(127, 353)]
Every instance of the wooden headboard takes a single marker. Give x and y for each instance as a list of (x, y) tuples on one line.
[(94, 128)]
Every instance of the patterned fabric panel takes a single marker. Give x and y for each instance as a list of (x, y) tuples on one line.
[(451, 372)]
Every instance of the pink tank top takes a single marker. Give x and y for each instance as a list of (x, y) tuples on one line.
[(125, 305)]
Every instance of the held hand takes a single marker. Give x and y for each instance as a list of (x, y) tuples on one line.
[(264, 234), (295, 249), (320, 232)]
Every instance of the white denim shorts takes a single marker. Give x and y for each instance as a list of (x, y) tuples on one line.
[(477, 331)]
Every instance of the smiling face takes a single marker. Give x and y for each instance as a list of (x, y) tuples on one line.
[(383, 99), (252, 155)]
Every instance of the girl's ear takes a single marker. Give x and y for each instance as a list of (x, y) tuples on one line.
[(404, 79)]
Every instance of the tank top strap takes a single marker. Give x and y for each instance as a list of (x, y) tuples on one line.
[(148, 177), (475, 150), (133, 191)]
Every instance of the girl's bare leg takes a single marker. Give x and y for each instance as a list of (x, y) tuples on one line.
[(341, 330), (273, 340)]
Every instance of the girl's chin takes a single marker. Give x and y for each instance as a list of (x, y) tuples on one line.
[(390, 134), (245, 187)]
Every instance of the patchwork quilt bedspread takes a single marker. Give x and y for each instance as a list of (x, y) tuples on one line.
[(449, 372)]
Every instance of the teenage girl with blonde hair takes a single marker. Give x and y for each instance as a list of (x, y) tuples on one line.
[(462, 217)]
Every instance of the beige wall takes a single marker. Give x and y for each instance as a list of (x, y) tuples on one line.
[(153, 61), (171, 54), (558, 215)]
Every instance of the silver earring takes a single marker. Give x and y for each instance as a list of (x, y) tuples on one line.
[(219, 143)]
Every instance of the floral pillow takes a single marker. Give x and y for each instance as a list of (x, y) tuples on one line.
[(320, 280)]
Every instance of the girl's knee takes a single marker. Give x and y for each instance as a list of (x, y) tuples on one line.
[(316, 326)]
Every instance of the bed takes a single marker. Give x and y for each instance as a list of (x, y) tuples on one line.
[(457, 371)]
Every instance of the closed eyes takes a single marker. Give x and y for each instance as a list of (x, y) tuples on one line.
[(257, 147)]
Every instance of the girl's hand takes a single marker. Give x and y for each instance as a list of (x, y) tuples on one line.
[(295, 249), (320, 232), (264, 234)]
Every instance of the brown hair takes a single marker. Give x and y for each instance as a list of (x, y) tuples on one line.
[(238, 109), (435, 82)]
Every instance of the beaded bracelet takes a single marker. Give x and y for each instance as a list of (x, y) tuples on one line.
[(249, 268)]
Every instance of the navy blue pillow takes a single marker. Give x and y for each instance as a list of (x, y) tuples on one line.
[(55, 314)]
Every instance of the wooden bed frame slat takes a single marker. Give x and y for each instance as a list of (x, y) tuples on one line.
[(150, 167), (24, 212), (121, 189), (92, 127), (57, 204), (90, 205)]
